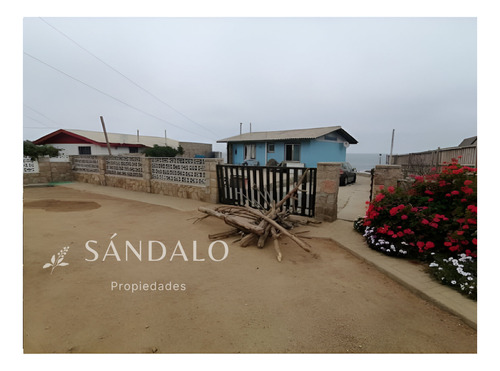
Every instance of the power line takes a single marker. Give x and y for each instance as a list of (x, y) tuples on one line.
[(38, 127), (127, 78), (40, 113), (109, 95)]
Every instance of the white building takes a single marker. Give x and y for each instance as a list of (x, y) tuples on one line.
[(84, 142)]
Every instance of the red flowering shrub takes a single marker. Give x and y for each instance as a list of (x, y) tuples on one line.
[(437, 214), (434, 220)]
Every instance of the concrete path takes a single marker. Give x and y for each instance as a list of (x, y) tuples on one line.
[(351, 202), (351, 205)]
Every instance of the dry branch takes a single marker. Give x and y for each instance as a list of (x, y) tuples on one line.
[(276, 244), (255, 226)]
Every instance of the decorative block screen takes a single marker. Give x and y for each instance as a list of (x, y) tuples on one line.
[(179, 170), (86, 164), (29, 166), (124, 165)]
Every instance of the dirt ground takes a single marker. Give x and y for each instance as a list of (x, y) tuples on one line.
[(327, 301)]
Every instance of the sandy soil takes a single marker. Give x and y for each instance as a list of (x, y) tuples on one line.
[(325, 302)]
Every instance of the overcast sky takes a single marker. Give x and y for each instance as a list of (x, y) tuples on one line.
[(198, 78)]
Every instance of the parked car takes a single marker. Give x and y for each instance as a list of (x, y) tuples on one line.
[(347, 174)]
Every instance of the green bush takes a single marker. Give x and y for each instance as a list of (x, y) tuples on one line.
[(34, 151), (163, 151)]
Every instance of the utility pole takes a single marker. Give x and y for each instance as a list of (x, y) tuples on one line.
[(105, 135), (392, 146)]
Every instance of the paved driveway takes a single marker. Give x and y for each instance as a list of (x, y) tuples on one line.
[(352, 199)]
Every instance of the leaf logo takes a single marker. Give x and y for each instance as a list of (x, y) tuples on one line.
[(57, 261)]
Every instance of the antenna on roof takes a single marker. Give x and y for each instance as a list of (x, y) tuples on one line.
[(137, 135), (250, 127), (105, 135), (165, 137), (241, 124), (392, 146)]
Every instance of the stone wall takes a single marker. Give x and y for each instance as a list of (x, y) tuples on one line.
[(386, 176), (49, 172), (91, 178), (327, 190), (129, 183)]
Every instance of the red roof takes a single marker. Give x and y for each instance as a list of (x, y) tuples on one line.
[(63, 136)]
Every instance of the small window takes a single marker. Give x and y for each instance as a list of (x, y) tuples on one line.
[(270, 147), (133, 149), (84, 150), (250, 151), (292, 152)]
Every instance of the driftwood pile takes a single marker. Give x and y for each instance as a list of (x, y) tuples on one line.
[(254, 226)]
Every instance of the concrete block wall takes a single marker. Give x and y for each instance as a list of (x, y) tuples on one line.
[(49, 172), (207, 193)]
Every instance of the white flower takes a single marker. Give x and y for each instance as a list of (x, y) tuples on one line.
[(433, 264)]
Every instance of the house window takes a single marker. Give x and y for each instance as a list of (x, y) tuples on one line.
[(250, 151), (84, 150), (270, 148), (133, 149), (292, 152)]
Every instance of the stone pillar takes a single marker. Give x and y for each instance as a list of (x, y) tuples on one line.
[(44, 172), (211, 179), (146, 172), (327, 190), (101, 163), (387, 176)]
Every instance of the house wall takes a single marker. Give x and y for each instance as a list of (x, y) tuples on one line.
[(311, 152), (279, 152), (321, 151), (71, 149), (238, 152)]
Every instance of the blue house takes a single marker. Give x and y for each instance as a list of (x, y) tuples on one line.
[(304, 147)]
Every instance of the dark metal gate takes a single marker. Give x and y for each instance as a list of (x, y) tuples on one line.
[(260, 186)]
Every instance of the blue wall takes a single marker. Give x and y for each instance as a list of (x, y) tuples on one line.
[(311, 152), (279, 152), (238, 152)]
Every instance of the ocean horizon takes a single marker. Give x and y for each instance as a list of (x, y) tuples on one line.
[(360, 161), (365, 161)]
